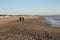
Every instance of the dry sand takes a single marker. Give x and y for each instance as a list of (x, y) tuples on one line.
[(33, 28)]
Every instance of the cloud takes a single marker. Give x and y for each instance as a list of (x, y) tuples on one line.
[(32, 13)]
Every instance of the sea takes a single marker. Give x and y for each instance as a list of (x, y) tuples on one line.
[(53, 21)]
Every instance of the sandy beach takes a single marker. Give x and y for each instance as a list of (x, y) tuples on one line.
[(33, 28)]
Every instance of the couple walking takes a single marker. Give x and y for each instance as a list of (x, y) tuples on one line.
[(21, 19)]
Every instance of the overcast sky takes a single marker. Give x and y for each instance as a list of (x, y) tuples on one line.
[(30, 7)]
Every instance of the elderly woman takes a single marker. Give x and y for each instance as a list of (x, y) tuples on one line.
[(20, 19)]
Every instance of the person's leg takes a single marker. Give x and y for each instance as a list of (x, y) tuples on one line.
[(23, 18), (20, 19)]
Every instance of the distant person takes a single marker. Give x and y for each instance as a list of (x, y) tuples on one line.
[(23, 19), (20, 19)]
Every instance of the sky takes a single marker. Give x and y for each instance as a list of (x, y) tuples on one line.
[(30, 7)]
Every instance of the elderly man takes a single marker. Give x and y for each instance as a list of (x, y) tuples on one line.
[(23, 19)]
